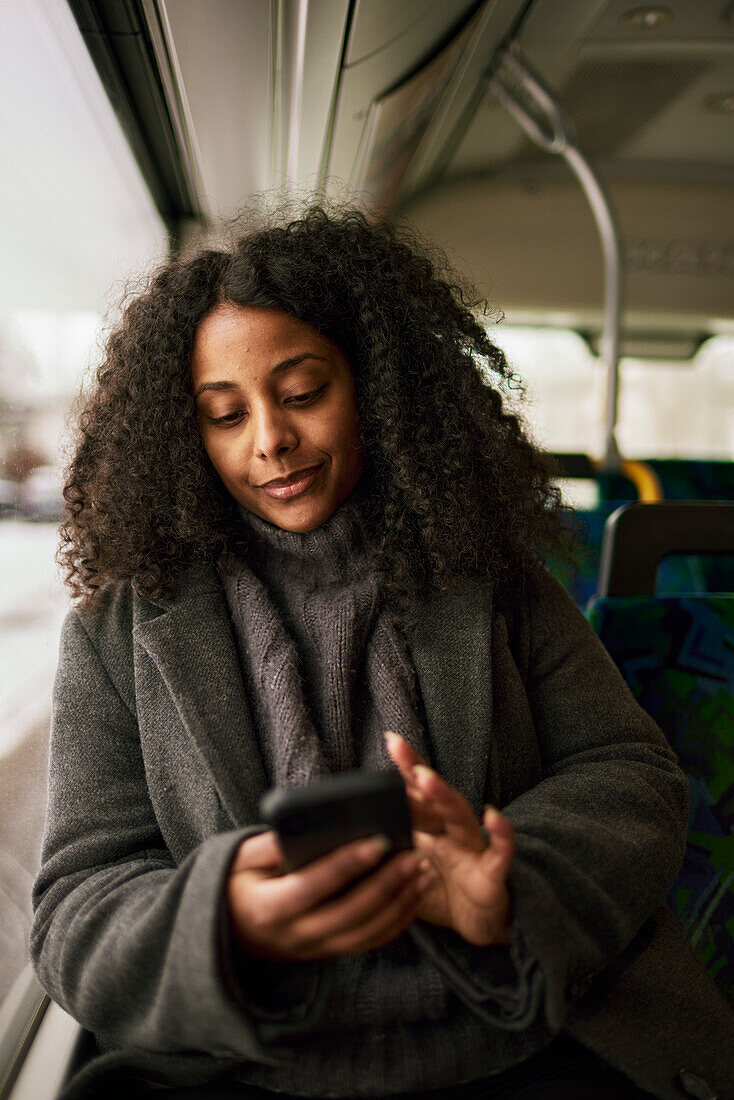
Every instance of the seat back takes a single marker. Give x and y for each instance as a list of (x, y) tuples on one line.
[(648, 480), (676, 653), (693, 479)]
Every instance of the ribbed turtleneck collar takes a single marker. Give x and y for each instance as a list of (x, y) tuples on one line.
[(336, 551)]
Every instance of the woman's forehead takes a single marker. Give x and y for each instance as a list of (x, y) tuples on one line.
[(230, 322), (253, 337)]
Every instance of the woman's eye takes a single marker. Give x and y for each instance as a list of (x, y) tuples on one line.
[(228, 418), (306, 398), (237, 415)]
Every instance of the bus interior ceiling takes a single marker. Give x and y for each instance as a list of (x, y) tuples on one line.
[(390, 104)]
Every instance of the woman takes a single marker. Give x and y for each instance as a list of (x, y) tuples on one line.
[(300, 519)]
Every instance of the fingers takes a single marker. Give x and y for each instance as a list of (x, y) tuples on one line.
[(402, 754), (444, 810), (371, 913), (310, 886), (459, 822), (501, 850), (320, 911), (259, 852), (484, 878), (425, 817), (497, 864), (264, 908), (385, 926)]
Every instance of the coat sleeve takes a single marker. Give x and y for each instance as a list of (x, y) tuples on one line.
[(129, 943), (600, 838)]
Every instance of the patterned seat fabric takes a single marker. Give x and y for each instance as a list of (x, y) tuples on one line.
[(677, 655), (693, 479)]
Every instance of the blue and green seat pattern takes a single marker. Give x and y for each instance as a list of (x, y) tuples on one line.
[(677, 656)]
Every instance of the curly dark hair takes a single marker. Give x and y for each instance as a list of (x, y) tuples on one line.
[(457, 487)]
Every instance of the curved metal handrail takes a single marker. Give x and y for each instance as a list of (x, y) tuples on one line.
[(552, 129)]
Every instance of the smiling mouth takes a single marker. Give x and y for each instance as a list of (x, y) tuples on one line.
[(295, 485)]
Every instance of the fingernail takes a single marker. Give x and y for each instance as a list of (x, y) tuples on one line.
[(421, 771), (379, 844), (488, 807)]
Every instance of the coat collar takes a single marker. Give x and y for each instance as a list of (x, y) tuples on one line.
[(191, 644)]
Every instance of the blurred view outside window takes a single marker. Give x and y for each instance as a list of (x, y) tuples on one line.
[(667, 409), (75, 221)]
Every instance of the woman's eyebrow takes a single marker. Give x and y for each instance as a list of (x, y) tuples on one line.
[(216, 386), (293, 361)]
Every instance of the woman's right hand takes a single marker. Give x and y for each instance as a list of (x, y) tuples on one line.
[(295, 916)]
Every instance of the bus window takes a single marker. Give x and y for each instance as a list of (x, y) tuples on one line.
[(667, 408), (75, 218)]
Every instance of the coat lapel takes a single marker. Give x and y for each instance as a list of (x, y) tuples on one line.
[(191, 644), (450, 646)]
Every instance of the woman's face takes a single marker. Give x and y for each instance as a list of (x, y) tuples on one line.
[(277, 409)]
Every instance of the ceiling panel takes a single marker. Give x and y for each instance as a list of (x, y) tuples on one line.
[(377, 74), (637, 97), (679, 264)]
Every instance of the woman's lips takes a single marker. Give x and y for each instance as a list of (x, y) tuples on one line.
[(293, 488)]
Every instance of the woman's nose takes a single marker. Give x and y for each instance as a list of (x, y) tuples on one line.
[(273, 432)]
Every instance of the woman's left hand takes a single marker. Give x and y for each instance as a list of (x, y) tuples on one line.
[(470, 892)]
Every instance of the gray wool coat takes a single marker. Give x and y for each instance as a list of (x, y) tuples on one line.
[(156, 775)]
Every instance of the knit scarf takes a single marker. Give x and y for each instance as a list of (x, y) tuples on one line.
[(324, 666)]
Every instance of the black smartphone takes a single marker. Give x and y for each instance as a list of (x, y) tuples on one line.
[(311, 821)]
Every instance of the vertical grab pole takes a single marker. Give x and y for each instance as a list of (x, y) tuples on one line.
[(553, 131)]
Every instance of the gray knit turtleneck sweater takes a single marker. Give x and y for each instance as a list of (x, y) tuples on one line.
[(326, 674), (321, 660)]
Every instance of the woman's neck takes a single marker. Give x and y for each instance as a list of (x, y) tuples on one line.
[(335, 551)]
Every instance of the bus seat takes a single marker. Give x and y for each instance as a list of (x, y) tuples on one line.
[(678, 478), (588, 525), (677, 655), (636, 480), (649, 480), (687, 479)]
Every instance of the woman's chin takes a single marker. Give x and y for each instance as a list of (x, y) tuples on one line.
[(299, 516)]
